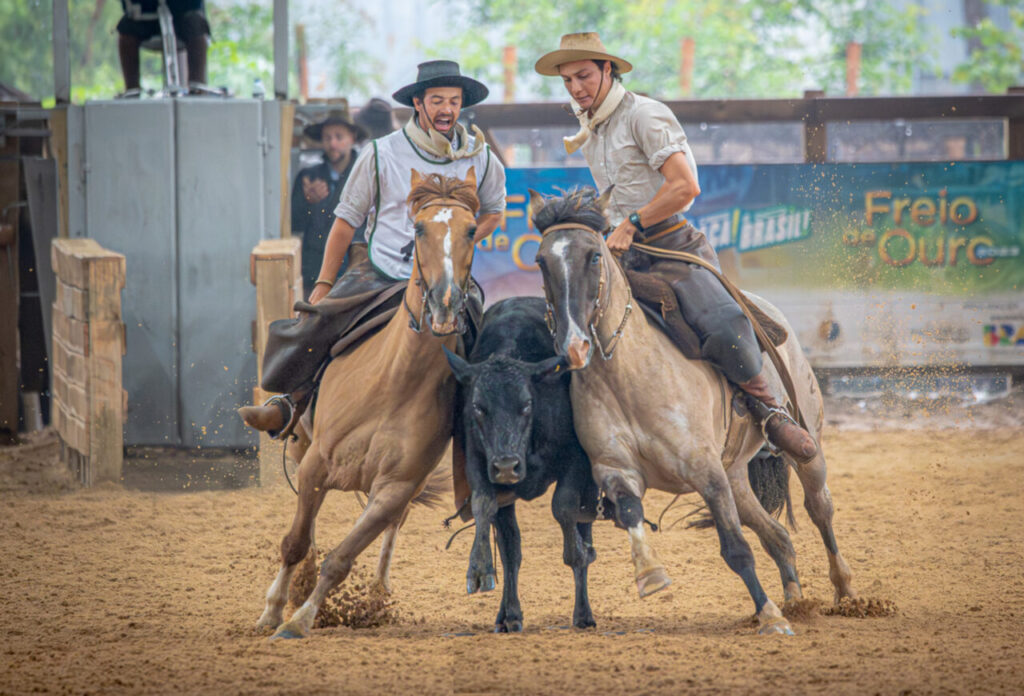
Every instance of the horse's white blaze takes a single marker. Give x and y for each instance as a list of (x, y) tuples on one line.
[(560, 249), (445, 215)]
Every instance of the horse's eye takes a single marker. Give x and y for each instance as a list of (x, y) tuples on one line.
[(419, 229), (479, 410), (471, 232), (525, 410), (596, 258)]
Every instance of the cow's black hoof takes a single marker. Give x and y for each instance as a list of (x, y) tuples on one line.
[(585, 622), (475, 583)]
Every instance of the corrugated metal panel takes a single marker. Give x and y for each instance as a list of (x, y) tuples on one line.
[(220, 215), (129, 164)]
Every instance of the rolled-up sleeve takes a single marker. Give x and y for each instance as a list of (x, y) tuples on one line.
[(492, 188), (360, 190), (659, 134)]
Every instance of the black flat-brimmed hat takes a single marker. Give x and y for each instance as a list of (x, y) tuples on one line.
[(442, 73), (315, 131), (375, 117)]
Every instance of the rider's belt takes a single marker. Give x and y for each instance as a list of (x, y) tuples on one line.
[(666, 226)]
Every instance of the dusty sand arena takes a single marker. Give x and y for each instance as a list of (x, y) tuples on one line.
[(119, 591)]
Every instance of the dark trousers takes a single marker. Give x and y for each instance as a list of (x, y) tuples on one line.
[(726, 336)]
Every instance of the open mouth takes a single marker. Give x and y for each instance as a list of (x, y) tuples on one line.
[(443, 123)]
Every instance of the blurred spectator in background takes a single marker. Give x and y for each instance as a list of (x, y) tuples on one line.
[(317, 188)]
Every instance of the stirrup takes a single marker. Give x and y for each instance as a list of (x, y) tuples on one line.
[(774, 411), (293, 418)]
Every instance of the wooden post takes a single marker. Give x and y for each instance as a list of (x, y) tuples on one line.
[(852, 68), (275, 268), (300, 48), (508, 60), (686, 50), (10, 168), (1015, 130), (815, 135), (88, 344)]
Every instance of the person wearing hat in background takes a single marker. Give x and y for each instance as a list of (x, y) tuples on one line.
[(375, 118), (432, 142), (635, 144), (318, 188)]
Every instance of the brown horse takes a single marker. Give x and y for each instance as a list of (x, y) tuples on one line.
[(648, 417), (384, 416)]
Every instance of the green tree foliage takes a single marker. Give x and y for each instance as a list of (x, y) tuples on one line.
[(998, 61), (751, 48)]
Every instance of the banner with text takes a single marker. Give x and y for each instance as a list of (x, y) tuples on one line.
[(873, 264)]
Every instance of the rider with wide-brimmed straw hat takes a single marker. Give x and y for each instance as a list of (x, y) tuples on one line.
[(433, 141), (636, 144)]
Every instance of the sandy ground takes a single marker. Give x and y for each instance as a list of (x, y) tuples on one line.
[(114, 590)]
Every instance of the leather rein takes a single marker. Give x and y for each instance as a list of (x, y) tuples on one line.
[(762, 338), (416, 323)]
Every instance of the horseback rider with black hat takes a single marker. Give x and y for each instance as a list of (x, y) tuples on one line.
[(433, 141)]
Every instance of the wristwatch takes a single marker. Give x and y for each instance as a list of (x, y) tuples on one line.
[(634, 220)]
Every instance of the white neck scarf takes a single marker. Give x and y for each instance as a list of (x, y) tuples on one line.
[(587, 123), (437, 145)]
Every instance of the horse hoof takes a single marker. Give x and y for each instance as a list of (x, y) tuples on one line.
[(776, 627), (651, 581), (287, 633), (488, 584)]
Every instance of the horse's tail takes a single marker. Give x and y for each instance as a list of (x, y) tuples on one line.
[(437, 488), (769, 479)]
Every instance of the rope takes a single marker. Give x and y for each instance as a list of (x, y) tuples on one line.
[(743, 302)]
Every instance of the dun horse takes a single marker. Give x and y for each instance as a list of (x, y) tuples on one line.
[(649, 417), (385, 407)]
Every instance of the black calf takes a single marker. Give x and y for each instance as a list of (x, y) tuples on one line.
[(519, 440)]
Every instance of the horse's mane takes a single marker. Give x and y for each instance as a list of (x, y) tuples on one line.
[(433, 186), (579, 205)]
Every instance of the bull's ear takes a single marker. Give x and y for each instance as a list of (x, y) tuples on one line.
[(462, 370), (552, 368)]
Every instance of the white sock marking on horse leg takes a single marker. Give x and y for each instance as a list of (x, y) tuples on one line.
[(277, 597)]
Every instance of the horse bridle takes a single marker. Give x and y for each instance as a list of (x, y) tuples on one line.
[(599, 309), (416, 324)]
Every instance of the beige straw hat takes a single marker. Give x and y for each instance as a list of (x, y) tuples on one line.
[(585, 45)]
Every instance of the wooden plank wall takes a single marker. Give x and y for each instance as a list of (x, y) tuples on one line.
[(88, 343), (275, 268)]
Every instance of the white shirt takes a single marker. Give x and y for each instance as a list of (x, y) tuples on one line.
[(379, 184)]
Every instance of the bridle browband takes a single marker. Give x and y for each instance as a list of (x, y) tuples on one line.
[(416, 323), (549, 317)]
